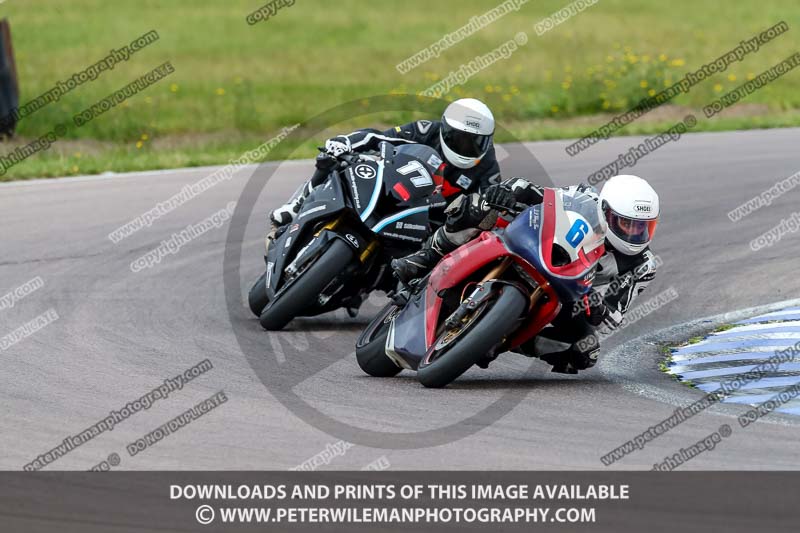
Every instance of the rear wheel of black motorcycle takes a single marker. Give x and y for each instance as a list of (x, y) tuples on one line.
[(307, 288), (257, 298), (487, 327), (371, 346)]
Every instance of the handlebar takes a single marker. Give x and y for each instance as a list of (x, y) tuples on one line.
[(347, 157)]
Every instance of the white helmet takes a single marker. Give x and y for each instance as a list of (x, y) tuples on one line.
[(632, 209), (466, 133)]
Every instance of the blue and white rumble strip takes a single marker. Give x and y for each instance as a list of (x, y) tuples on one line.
[(724, 355)]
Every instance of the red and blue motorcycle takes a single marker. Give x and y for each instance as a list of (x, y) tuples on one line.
[(491, 295)]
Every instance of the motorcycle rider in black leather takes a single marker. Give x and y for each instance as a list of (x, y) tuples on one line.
[(462, 138)]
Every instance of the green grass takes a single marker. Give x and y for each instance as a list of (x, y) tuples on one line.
[(236, 85)]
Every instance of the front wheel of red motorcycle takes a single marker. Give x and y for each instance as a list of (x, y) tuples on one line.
[(371, 346), (455, 351)]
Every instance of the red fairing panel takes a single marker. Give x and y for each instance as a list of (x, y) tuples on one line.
[(462, 263), (454, 268)]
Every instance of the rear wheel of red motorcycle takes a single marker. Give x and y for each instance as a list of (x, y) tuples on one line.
[(307, 288), (486, 328), (371, 346)]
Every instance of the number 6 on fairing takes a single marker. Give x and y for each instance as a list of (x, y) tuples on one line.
[(577, 233)]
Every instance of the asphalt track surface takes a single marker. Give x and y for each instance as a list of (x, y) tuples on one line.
[(119, 333)]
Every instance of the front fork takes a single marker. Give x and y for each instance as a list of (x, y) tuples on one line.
[(480, 295), (368, 251)]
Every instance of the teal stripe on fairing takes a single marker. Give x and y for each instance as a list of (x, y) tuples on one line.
[(401, 215), (376, 192)]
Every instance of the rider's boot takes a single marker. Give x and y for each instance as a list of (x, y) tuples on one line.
[(421, 262), (286, 213), (572, 360)]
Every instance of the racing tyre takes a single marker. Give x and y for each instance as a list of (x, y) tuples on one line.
[(371, 346), (455, 351), (258, 295), (292, 301)]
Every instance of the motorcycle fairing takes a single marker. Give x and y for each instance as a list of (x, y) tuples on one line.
[(532, 234), (413, 331), (408, 225), (323, 202), (405, 340), (365, 183)]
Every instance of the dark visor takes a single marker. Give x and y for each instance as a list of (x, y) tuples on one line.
[(631, 230), (463, 143)]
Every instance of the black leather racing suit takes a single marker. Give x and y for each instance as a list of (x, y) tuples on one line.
[(477, 178), (618, 281)]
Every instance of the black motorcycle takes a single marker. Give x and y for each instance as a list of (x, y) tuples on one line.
[(369, 209)]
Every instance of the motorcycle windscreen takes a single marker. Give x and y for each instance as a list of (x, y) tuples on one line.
[(532, 236), (409, 175)]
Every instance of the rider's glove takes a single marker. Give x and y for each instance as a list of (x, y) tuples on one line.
[(524, 191), (597, 309), (499, 196), (337, 146)]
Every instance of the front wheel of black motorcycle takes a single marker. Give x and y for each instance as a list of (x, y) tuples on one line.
[(257, 298), (457, 350), (371, 346), (307, 288)]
